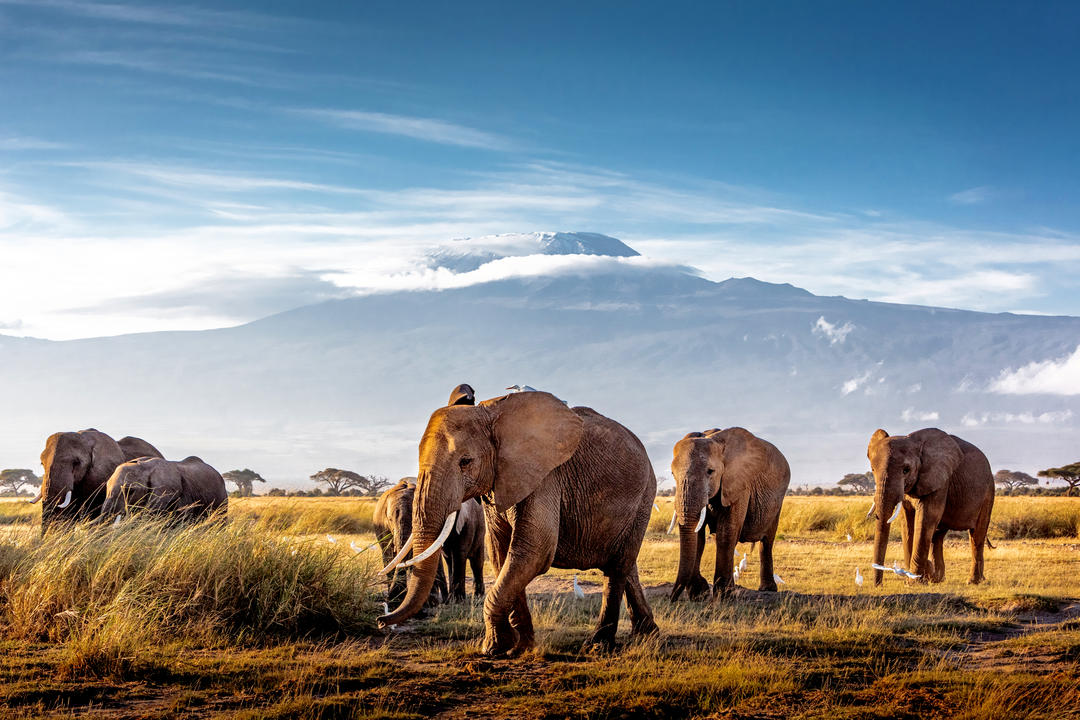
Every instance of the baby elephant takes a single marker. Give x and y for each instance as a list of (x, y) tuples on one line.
[(188, 490), (466, 543), (733, 482)]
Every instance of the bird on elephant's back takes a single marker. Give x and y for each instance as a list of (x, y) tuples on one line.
[(563, 487), (734, 483), (934, 482)]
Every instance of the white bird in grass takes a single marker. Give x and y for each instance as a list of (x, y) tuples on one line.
[(736, 573), (357, 549), (778, 579), (858, 576), (742, 564), (578, 592), (849, 537), (896, 569), (521, 388), (330, 539)]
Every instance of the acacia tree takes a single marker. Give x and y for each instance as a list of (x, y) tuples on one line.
[(12, 480), (1012, 480), (860, 483), (1069, 473), (341, 481), (244, 480)]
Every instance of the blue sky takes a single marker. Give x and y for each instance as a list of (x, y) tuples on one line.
[(183, 166)]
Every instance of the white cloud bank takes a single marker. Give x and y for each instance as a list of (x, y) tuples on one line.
[(1050, 377), (910, 414)]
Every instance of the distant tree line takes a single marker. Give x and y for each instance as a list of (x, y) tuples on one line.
[(334, 482), (1009, 482), (18, 481)]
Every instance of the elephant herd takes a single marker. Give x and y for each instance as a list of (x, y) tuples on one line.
[(90, 476), (541, 484), (567, 487)]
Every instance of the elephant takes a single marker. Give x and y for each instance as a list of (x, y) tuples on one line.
[(562, 487), (466, 544), (134, 448), (77, 467), (734, 483), (463, 394), (392, 519), (942, 483), (188, 490)]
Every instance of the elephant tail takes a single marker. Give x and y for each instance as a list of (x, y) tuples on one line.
[(989, 544)]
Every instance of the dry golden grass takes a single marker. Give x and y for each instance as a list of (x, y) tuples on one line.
[(226, 621)]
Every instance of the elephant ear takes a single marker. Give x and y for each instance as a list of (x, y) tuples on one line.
[(105, 457), (743, 460), (939, 459), (534, 433)]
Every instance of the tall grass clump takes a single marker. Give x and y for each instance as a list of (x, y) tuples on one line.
[(108, 592), (17, 512), (1020, 518), (350, 516), (837, 517)]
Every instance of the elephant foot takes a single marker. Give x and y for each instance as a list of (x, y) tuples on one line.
[(723, 589), (768, 587), (696, 589), (977, 580), (644, 628), (602, 641), (499, 644)]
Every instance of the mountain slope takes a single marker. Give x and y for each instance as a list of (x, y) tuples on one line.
[(352, 382)]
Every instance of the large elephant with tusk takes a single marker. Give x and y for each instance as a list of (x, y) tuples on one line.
[(188, 490), (392, 519), (732, 482), (563, 487), (77, 467), (940, 482)]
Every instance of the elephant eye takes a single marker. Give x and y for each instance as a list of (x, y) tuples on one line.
[(710, 471), (464, 462), (907, 469)]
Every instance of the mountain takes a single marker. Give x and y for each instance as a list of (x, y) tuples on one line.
[(350, 383)]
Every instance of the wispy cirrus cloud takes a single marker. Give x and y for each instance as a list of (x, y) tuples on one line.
[(418, 128), (973, 196), (19, 143)]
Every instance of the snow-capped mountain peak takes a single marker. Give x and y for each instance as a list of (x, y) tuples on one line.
[(467, 254)]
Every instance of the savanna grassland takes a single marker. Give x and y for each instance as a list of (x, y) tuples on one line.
[(264, 616)]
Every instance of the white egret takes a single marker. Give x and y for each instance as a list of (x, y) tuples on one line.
[(578, 592), (656, 507), (849, 537), (897, 570), (858, 576), (742, 564), (778, 579), (736, 573), (521, 388)]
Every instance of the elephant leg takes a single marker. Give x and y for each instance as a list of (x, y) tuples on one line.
[(518, 570), (641, 617), (614, 586), (521, 622), (978, 543), (907, 530), (728, 526), (767, 582), (937, 573), (927, 516), (476, 562), (457, 575)]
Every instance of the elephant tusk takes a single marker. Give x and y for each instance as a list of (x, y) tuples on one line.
[(656, 507), (36, 498), (406, 547), (895, 513), (446, 528), (671, 525), (871, 510), (700, 520), (67, 500)]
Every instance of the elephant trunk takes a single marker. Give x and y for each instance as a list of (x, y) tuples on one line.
[(421, 580), (688, 541), (885, 506)]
